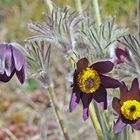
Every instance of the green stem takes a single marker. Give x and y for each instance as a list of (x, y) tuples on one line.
[(97, 11), (49, 5), (52, 94), (78, 6), (101, 119), (58, 113), (95, 122), (138, 16)]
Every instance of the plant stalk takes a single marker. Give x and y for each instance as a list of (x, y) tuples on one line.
[(138, 16), (78, 6), (52, 94), (97, 11), (58, 113), (48, 3), (95, 122)]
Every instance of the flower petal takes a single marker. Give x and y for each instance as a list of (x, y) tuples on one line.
[(120, 52), (85, 113), (100, 96), (18, 58), (5, 78), (86, 99), (109, 82), (119, 125), (123, 92), (103, 66), (21, 75), (135, 86), (134, 90), (75, 77), (136, 125), (2, 58), (9, 62), (118, 61), (116, 105), (75, 98), (82, 64)]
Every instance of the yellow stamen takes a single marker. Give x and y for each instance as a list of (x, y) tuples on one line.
[(88, 80), (131, 109)]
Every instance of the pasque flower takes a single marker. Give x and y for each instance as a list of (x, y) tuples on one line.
[(11, 61), (90, 83), (122, 54), (128, 107)]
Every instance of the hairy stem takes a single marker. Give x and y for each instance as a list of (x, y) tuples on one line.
[(78, 6), (58, 113), (49, 5), (97, 11), (95, 122), (138, 17), (52, 94)]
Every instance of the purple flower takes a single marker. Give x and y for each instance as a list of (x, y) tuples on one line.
[(121, 55), (127, 107), (11, 61), (90, 83)]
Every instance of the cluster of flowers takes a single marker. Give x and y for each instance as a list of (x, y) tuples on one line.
[(89, 82)]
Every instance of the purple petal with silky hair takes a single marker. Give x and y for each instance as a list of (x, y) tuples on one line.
[(136, 125), (123, 92), (119, 125), (103, 67), (82, 64), (86, 99), (100, 96), (116, 105), (120, 52), (75, 98), (21, 74), (85, 113), (135, 86), (5, 78), (109, 82), (18, 59), (9, 62), (2, 58)]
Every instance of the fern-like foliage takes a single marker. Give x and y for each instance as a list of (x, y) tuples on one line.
[(99, 38), (61, 28), (78, 34), (38, 55)]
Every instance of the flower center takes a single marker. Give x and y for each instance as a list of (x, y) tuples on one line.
[(89, 83), (131, 109), (88, 80)]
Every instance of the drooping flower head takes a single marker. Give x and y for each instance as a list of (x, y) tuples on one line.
[(127, 107), (11, 61), (90, 83), (122, 54)]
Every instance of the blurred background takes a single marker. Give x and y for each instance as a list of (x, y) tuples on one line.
[(23, 110)]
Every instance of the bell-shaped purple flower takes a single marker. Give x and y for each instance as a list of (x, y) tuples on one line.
[(11, 61), (121, 55)]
